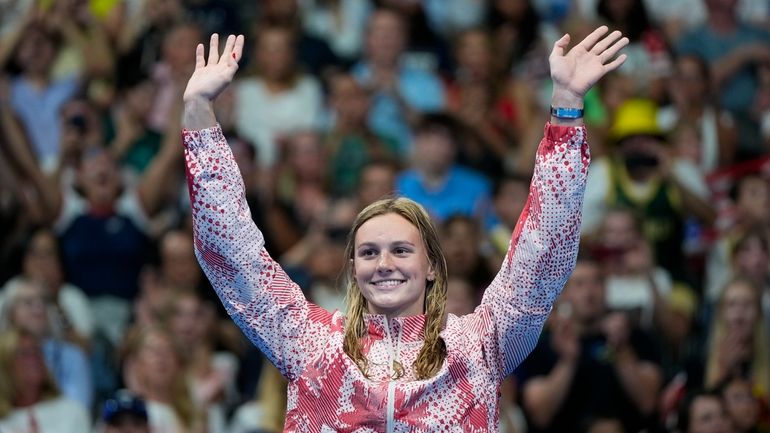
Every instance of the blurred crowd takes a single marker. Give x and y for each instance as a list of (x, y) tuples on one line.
[(107, 323)]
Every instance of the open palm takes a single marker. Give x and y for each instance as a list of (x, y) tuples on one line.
[(212, 76), (581, 67)]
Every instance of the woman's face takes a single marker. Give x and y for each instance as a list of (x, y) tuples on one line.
[(752, 260), (157, 360), (41, 262), (739, 310), (391, 266), (275, 54), (741, 406), (707, 416), (29, 369), (474, 54), (460, 242), (30, 311)]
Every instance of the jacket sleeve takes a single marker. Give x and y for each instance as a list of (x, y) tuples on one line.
[(541, 254), (270, 309)]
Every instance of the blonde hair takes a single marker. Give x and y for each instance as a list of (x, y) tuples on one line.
[(181, 398), (433, 352), (9, 345), (271, 396), (760, 362)]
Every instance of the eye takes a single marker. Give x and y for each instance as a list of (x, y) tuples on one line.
[(401, 251), (367, 253)]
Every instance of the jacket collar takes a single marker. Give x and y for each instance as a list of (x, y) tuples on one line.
[(410, 328)]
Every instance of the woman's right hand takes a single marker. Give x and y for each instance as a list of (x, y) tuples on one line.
[(211, 77)]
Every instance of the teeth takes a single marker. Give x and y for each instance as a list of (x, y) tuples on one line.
[(388, 283)]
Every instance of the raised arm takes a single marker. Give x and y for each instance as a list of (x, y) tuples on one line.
[(269, 308), (544, 244)]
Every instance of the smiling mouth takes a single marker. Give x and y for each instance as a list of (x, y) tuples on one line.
[(387, 283)]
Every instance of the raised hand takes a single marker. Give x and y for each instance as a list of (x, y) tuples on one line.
[(212, 76), (575, 71)]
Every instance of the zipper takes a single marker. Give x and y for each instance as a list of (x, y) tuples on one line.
[(390, 415)]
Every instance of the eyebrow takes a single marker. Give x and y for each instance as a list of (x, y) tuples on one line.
[(394, 243)]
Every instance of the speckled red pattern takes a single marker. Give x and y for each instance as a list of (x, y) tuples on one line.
[(326, 391)]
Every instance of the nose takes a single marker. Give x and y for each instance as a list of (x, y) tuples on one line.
[(385, 264)]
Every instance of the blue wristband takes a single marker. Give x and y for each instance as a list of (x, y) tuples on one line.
[(566, 113)]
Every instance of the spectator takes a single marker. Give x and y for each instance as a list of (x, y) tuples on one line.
[(508, 198), (301, 185), (140, 40), (378, 180), (35, 97), (350, 144), (462, 241), (435, 181), (739, 341), (41, 262), (401, 92), (521, 40), (703, 412), (635, 283), (642, 175), (130, 137), (211, 373), (278, 98), (153, 369), (649, 61), (29, 399), (750, 197), (167, 73), (28, 308), (484, 104), (741, 406), (314, 54), (425, 48), (103, 224), (734, 49), (693, 102), (590, 362), (340, 23), (462, 297), (124, 413)]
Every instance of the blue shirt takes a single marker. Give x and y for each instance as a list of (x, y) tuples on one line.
[(71, 370), (464, 192), (38, 110)]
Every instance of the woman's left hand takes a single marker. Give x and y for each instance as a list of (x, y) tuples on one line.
[(575, 71)]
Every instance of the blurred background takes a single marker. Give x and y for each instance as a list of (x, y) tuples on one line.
[(108, 324)]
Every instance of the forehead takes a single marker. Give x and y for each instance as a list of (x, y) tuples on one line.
[(387, 228)]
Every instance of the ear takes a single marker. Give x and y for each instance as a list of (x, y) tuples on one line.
[(431, 274)]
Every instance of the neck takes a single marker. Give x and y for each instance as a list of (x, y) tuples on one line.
[(434, 178)]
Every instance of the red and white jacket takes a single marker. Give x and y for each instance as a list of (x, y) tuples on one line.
[(327, 392)]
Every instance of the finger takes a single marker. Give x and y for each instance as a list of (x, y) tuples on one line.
[(560, 46), (214, 49), (199, 61), (227, 52), (613, 50), (611, 66), (238, 48), (606, 42), (591, 39)]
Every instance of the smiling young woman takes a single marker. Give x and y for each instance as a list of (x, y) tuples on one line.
[(395, 361)]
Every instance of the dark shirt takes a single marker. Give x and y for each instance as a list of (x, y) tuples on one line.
[(596, 390)]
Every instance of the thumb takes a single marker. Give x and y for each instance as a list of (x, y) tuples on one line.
[(560, 46)]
